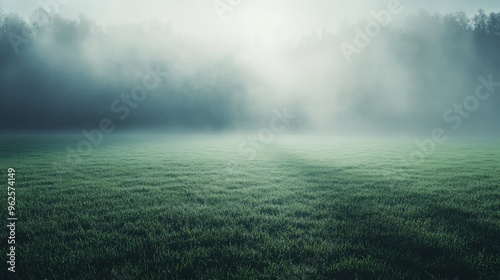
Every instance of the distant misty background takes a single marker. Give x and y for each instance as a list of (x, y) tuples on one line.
[(63, 67)]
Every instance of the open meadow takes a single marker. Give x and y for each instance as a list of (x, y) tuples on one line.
[(249, 140), (178, 207)]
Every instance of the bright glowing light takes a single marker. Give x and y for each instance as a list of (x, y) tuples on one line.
[(263, 26)]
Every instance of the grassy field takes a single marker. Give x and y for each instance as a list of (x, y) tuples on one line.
[(168, 207)]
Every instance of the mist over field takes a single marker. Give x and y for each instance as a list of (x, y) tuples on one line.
[(400, 75), (234, 139)]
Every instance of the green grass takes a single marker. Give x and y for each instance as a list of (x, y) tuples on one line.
[(168, 207)]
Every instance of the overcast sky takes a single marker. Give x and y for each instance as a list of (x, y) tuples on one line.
[(268, 19)]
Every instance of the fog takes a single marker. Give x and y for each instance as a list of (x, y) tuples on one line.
[(362, 67)]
